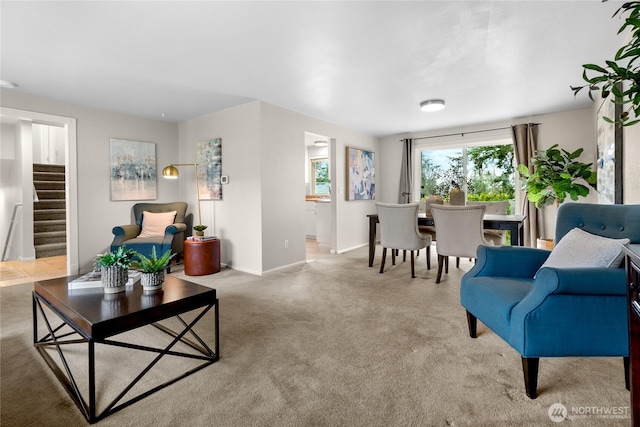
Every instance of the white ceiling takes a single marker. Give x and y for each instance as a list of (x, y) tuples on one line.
[(363, 65)]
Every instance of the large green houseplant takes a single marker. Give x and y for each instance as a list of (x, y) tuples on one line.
[(620, 76), (557, 174)]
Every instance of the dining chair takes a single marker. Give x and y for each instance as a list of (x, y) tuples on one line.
[(499, 208), (460, 232), (399, 230), (425, 206)]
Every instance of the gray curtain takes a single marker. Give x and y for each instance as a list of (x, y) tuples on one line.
[(406, 171), (525, 143)]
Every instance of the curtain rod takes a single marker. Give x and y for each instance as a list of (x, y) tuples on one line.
[(473, 131)]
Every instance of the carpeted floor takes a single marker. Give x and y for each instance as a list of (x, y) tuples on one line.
[(330, 343)]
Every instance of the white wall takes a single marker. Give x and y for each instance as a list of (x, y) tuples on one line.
[(237, 218), (631, 176), (284, 189), (571, 130), (97, 214), (10, 188)]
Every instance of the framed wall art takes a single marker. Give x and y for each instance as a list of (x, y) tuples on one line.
[(209, 159), (133, 170), (361, 174), (609, 163)]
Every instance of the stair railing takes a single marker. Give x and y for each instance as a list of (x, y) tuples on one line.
[(7, 243)]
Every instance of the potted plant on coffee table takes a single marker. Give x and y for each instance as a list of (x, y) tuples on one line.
[(114, 268), (152, 269)]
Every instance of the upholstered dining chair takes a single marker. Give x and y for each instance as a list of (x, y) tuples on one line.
[(399, 230), (499, 208), (425, 206), (460, 232)]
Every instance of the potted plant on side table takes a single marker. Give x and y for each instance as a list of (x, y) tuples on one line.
[(152, 269), (199, 229), (114, 268)]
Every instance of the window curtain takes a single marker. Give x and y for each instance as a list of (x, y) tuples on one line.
[(525, 144), (406, 171)]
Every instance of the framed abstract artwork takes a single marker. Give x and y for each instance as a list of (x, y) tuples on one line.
[(209, 159), (609, 162), (361, 174), (133, 170)]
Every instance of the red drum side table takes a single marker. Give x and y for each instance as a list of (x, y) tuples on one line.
[(201, 258)]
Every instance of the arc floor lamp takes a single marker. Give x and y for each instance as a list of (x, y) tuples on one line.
[(171, 172)]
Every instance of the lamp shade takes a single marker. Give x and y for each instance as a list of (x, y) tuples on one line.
[(170, 172)]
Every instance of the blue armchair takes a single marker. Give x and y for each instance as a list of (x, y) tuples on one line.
[(554, 312), (172, 237)]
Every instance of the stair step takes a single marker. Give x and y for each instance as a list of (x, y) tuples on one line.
[(49, 237), (49, 204), (48, 185), (48, 176), (49, 214), (51, 194), (53, 249), (49, 225), (41, 167)]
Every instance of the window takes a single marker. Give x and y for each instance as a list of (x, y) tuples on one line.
[(484, 170), (320, 182)]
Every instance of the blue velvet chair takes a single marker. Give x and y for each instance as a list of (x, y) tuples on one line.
[(561, 311), (173, 237)]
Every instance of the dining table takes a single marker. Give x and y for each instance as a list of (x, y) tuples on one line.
[(512, 223)]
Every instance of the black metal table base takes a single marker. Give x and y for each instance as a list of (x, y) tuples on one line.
[(57, 338)]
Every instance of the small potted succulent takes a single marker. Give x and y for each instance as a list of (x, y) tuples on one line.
[(152, 269), (114, 268), (199, 229)]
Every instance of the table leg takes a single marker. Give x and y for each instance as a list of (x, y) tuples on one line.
[(92, 382), (517, 234)]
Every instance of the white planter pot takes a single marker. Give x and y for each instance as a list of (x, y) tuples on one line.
[(114, 279), (152, 281)]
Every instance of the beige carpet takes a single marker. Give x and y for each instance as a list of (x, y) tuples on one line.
[(330, 343)]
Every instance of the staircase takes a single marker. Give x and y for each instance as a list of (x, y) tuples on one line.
[(49, 212)]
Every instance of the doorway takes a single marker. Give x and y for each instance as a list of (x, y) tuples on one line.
[(17, 157), (318, 195)]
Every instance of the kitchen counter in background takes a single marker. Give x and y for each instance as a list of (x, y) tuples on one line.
[(318, 219)]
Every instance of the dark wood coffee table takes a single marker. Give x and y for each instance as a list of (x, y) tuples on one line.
[(89, 315)]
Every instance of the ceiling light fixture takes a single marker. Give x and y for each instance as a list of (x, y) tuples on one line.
[(320, 143), (432, 105), (7, 84)]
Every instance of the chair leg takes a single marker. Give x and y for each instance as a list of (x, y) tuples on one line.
[(394, 252), (457, 262), (404, 255), (413, 271), (384, 257), (626, 373), (530, 370), (472, 322), (441, 260), (428, 257), (446, 265)]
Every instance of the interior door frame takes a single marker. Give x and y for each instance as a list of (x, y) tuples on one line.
[(71, 173)]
